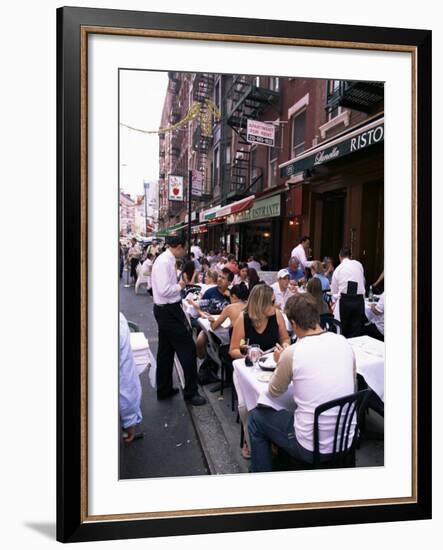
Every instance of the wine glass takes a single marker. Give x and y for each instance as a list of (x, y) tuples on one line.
[(254, 353)]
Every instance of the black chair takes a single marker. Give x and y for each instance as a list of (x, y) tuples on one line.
[(328, 322), (327, 296), (133, 327), (350, 410)]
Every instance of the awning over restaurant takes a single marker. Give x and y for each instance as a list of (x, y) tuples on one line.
[(259, 209), (228, 209), (170, 230), (349, 142), (202, 228)]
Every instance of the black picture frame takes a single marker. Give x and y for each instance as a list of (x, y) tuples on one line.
[(72, 521)]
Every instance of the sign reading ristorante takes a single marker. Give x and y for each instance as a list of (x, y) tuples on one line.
[(264, 208), (369, 135)]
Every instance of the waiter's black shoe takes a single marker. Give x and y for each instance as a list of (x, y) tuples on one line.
[(170, 393), (196, 400)]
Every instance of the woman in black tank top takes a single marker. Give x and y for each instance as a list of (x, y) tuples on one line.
[(260, 323), (266, 339)]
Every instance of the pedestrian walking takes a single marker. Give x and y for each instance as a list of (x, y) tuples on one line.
[(134, 254), (174, 333)]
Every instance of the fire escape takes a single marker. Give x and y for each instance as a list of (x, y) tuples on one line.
[(247, 101), (201, 139), (361, 96)]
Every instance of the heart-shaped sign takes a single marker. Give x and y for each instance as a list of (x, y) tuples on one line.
[(175, 191)]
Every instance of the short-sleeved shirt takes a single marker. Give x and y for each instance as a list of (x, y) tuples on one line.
[(324, 281), (296, 275), (213, 301)]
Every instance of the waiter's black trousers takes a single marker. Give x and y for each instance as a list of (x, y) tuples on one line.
[(134, 264), (174, 336), (352, 314)]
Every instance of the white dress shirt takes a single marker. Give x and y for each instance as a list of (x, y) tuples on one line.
[(299, 253), (165, 288), (348, 270)]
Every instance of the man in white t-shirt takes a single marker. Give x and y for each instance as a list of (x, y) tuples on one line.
[(321, 367), (281, 289), (299, 252)]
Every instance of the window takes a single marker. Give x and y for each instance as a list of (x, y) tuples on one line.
[(274, 83), (217, 94), (216, 167), (333, 86), (298, 133), (254, 167), (228, 153), (273, 158)]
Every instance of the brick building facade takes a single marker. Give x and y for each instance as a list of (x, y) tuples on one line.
[(323, 177)]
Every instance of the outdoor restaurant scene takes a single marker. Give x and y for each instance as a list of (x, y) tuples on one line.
[(251, 274)]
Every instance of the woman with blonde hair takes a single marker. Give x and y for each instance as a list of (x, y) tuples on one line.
[(263, 324), (318, 272)]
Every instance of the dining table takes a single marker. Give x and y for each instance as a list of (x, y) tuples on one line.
[(222, 331), (251, 383)]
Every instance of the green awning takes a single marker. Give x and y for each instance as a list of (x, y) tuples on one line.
[(350, 142)]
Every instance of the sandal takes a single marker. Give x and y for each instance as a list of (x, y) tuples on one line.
[(245, 452)]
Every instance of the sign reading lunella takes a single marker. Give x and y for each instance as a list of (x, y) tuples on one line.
[(175, 188), (260, 132)]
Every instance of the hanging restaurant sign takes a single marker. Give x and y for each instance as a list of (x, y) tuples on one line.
[(371, 134), (260, 132), (175, 188)]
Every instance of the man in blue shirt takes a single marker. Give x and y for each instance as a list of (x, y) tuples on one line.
[(216, 298), (295, 273)]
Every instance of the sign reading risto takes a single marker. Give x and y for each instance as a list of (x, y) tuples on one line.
[(366, 138), (265, 208)]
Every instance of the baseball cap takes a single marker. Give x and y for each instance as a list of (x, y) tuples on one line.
[(282, 274)]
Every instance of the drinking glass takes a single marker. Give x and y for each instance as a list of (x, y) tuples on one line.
[(254, 353)]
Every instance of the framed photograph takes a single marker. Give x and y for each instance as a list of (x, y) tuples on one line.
[(288, 154)]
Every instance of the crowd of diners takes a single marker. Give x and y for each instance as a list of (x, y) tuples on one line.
[(306, 296)]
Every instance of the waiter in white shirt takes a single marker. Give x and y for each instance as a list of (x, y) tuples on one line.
[(299, 252), (349, 307), (174, 334), (197, 251)]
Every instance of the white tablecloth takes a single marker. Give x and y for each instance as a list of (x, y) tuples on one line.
[(369, 355), (221, 332)]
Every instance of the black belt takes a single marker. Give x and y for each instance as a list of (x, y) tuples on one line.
[(172, 304)]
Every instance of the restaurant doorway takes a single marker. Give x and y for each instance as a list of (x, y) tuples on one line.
[(372, 231), (333, 217), (262, 240)]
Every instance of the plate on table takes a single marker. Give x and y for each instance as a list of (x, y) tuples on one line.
[(267, 363), (264, 376)]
